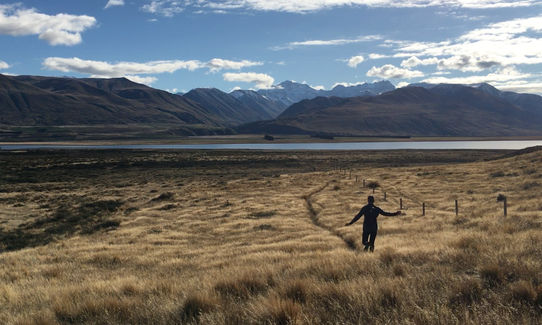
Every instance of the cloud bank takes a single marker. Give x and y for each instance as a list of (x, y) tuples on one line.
[(112, 3), (216, 65), (389, 71), (60, 29), (333, 42), (260, 80), (4, 65), (355, 60), (120, 69), (494, 53), (166, 8), (169, 8), (133, 70)]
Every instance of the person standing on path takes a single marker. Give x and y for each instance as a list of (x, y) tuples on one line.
[(370, 226)]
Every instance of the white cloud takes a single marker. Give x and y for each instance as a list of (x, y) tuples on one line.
[(333, 42), (521, 86), (133, 70), (260, 80), (402, 84), (355, 60), (112, 3), (471, 62), (120, 69), (414, 61), (4, 65), (171, 7), (502, 75), (502, 44), (389, 71), (376, 56), (216, 65), (167, 8), (60, 29), (130, 70), (305, 6), (504, 30), (142, 80)]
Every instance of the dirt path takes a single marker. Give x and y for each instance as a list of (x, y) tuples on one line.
[(316, 220)]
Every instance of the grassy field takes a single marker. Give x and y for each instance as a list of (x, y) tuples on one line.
[(238, 237)]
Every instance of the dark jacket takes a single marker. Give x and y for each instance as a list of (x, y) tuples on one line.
[(371, 213)]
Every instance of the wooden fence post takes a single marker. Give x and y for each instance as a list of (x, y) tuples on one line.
[(505, 208), (401, 204), (423, 209), (363, 183), (356, 179), (384, 196), (456, 208)]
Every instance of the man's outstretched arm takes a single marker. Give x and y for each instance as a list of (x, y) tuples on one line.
[(390, 214), (356, 218)]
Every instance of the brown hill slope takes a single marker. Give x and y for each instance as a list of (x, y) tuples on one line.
[(225, 106), (30, 100), (446, 110)]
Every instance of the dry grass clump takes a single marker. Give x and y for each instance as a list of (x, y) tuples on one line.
[(493, 275), (466, 293), (280, 312), (297, 290), (244, 287), (524, 292), (218, 237), (194, 306), (168, 196)]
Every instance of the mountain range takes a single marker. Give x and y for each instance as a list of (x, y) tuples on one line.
[(416, 110), (290, 92), (47, 101), (289, 107)]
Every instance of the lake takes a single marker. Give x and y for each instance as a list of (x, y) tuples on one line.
[(427, 145)]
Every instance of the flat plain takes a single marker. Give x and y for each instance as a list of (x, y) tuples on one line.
[(258, 237)]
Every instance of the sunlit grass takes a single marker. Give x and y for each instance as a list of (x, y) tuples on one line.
[(231, 239)]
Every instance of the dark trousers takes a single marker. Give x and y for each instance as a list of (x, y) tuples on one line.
[(368, 238)]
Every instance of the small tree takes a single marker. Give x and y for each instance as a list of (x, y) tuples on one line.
[(373, 185)]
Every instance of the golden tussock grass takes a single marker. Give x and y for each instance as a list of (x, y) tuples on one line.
[(219, 237)]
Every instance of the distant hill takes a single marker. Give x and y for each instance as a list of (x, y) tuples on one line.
[(528, 102), (230, 109), (439, 110), (31, 100), (253, 99)]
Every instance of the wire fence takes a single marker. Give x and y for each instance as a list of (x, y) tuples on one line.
[(456, 207)]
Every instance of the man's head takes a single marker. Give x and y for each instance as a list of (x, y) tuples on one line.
[(370, 199)]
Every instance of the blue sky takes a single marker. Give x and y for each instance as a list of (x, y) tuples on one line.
[(178, 45)]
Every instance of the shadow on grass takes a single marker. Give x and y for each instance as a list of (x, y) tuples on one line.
[(87, 218)]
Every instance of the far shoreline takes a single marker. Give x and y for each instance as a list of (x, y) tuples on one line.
[(259, 138)]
